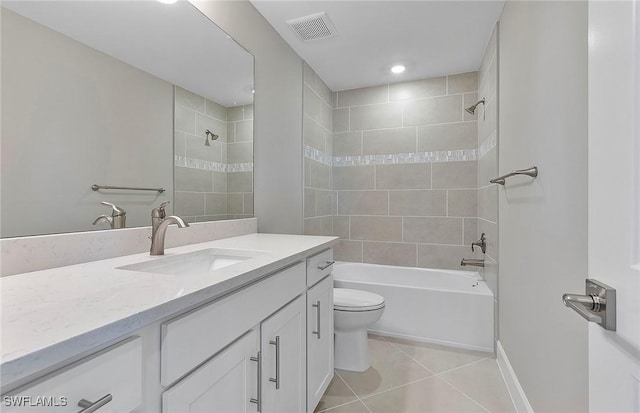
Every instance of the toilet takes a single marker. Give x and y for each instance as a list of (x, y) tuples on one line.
[(353, 312)]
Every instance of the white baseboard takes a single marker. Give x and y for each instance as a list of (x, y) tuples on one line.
[(518, 396)]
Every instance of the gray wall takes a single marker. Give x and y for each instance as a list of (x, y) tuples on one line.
[(67, 124), (278, 179), (543, 222)]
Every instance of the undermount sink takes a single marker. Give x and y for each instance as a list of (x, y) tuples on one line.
[(194, 263)]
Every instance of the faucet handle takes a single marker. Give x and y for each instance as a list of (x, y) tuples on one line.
[(159, 211), (116, 211), (482, 243)]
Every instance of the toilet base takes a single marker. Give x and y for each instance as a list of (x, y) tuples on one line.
[(351, 351)]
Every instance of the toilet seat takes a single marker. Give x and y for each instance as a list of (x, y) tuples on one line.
[(347, 299)]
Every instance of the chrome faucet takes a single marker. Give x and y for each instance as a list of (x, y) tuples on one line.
[(117, 219), (472, 261), (159, 224)]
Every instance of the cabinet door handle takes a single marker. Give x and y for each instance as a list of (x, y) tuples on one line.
[(89, 407), (258, 399), (317, 307), (328, 264), (277, 379)]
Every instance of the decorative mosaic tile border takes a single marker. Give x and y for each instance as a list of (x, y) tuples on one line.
[(194, 163), (316, 155), (488, 144), (389, 159)]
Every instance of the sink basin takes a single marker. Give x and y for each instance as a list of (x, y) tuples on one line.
[(194, 263)]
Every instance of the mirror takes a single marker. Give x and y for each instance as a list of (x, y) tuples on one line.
[(94, 93)]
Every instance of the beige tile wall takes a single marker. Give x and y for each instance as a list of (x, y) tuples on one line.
[(206, 195), (317, 132), (409, 214)]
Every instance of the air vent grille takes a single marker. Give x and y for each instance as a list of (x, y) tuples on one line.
[(313, 27)]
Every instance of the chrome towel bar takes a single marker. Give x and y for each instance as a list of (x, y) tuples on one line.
[(97, 187), (532, 172)]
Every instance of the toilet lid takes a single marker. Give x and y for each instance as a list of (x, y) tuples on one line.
[(346, 299)]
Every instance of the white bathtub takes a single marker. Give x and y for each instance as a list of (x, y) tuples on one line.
[(453, 308)]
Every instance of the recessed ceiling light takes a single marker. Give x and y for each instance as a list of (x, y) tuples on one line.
[(167, 1), (397, 69)]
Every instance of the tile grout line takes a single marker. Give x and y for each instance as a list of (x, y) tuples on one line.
[(465, 395), (440, 374)]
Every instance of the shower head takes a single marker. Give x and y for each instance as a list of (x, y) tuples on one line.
[(209, 135), (472, 109)]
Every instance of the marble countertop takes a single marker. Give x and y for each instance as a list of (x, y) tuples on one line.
[(52, 315)]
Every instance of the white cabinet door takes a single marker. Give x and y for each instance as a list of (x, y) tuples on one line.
[(319, 340), (284, 364), (225, 384)]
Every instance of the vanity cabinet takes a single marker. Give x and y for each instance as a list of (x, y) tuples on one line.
[(319, 326), (284, 358), (226, 383), (319, 340), (110, 380), (191, 339), (263, 347)]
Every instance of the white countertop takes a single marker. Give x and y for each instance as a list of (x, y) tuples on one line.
[(52, 315)]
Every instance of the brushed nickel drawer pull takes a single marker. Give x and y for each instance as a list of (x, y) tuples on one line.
[(277, 379), (317, 307), (90, 407), (258, 399), (329, 264)]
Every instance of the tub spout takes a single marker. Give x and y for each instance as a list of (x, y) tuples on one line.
[(472, 261)]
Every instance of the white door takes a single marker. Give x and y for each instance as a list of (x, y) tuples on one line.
[(284, 366), (228, 383), (614, 200)]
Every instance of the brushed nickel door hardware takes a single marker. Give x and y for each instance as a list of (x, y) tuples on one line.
[(90, 407), (317, 307), (276, 380), (258, 399), (598, 305)]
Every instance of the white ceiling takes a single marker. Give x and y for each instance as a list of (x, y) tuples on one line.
[(174, 42), (431, 38)]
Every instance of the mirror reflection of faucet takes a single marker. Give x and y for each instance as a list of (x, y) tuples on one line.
[(159, 224), (117, 219)]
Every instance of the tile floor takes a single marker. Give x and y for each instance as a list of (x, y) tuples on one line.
[(414, 377)]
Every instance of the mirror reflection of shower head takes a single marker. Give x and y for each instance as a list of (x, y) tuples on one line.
[(472, 109), (211, 135)]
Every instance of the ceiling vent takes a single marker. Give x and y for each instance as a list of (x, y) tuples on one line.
[(313, 27)]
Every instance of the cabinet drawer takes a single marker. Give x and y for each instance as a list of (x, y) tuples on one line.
[(319, 266), (115, 371), (194, 337)]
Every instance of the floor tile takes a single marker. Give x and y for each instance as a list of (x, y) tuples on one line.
[(390, 368), (353, 407), (428, 395), (337, 393), (482, 382), (438, 358)]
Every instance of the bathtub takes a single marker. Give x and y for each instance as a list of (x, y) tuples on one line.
[(452, 308)]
